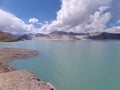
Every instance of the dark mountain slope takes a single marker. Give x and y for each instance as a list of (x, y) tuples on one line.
[(4, 37)]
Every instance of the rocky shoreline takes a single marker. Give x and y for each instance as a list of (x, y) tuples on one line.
[(11, 79)]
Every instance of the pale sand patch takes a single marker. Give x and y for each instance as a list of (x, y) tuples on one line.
[(2, 81)]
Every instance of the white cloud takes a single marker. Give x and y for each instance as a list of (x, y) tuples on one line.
[(74, 13), (98, 21), (33, 20), (10, 23), (118, 21), (115, 29)]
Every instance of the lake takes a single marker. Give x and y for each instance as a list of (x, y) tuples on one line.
[(73, 65)]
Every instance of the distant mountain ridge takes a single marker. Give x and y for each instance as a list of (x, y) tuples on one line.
[(61, 35), (105, 36), (5, 37), (56, 35), (66, 33), (31, 36)]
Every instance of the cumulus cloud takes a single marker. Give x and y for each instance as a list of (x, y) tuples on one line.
[(97, 21), (10, 23), (33, 20), (74, 13)]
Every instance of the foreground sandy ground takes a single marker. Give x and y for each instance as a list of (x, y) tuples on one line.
[(19, 80)]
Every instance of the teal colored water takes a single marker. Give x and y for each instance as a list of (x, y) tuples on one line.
[(73, 65)]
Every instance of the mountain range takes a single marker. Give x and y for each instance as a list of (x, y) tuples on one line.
[(60, 35)]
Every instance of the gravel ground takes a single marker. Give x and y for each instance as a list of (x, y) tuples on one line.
[(11, 79)]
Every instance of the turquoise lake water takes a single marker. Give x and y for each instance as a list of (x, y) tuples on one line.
[(73, 65)]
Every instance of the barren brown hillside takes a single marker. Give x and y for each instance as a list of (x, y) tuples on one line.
[(4, 37)]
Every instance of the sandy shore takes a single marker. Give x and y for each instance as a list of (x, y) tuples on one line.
[(11, 79)]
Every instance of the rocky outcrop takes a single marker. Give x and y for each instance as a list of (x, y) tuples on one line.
[(5, 37)]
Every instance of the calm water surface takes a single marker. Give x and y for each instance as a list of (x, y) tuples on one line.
[(73, 65)]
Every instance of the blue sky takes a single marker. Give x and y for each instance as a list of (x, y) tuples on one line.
[(45, 16), (115, 11), (44, 10)]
